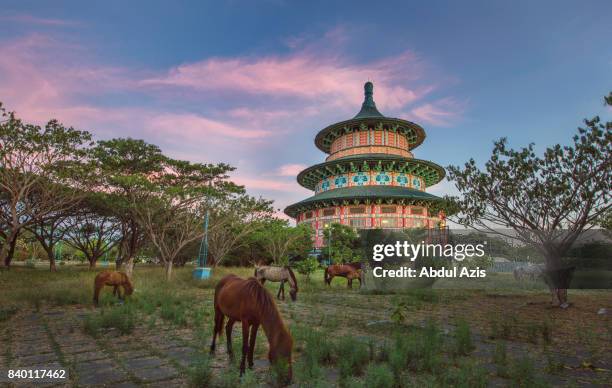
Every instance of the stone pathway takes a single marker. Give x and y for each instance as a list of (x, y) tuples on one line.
[(54, 339), (159, 356)]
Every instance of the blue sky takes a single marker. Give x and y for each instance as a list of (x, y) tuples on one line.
[(251, 83)]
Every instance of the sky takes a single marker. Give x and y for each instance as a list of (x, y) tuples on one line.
[(251, 83)]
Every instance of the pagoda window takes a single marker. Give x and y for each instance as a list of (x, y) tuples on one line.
[(308, 215), (388, 209), (357, 210), (417, 210), (329, 212)]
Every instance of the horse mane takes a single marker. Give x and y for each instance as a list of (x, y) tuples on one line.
[(262, 297), (292, 277), (127, 283)]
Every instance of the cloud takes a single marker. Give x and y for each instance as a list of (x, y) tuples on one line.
[(247, 110), (332, 80), (290, 169), (31, 19), (444, 112)]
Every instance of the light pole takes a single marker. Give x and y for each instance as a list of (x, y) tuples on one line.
[(330, 244), (202, 271)]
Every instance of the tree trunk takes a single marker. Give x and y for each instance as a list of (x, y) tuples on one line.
[(11, 251), (92, 262), (168, 270), (559, 297), (8, 249), (128, 266), (51, 258), (558, 277)]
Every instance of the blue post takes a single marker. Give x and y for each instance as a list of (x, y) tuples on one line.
[(203, 272)]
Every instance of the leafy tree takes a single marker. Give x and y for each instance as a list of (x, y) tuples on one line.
[(307, 266), (170, 206), (279, 240), (93, 229), (345, 246), (547, 201), (41, 174), (233, 219), (119, 165)]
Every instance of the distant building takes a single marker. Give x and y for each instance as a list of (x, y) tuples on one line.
[(370, 178)]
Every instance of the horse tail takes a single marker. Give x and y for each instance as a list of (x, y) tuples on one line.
[(293, 279)]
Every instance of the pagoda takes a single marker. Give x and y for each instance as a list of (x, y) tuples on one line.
[(370, 178)]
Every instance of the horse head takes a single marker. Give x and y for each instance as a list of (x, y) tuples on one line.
[(280, 357)]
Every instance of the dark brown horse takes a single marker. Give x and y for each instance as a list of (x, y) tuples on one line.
[(349, 271), (249, 302), (115, 279)]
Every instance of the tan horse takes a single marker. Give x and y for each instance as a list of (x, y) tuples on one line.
[(349, 271), (249, 302), (278, 274), (115, 279)]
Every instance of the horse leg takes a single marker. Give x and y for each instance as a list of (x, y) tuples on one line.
[(245, 344), (228, 334), (282, 289), (252, 339), (279, 290), (119, 293), (115, 290), (219, 318), (96, 293), (349, 282)]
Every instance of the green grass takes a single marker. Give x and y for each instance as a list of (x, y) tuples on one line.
[(7, 312), (462, 337), (122, 318)]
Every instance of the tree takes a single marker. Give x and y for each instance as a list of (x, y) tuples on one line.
[(307, 266), (118, 163), (170, 206), (547, 201), (279, 240), (41, 174), (93, 229), (233, 219), (344, 243)]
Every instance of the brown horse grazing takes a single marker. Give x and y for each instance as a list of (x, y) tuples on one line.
[(115, 279), (349, 271), (249, 302)]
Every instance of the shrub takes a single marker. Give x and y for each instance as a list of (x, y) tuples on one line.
[(468, 374), (500, 358), (378, 376), (523, 373), (7, 312), (426, 353), (307, 266), (122, 318), (352, 354), (463, 339), (199, 374)]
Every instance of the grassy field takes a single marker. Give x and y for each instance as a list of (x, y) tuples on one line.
[(347, 338)]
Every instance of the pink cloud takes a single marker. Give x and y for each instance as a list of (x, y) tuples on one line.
[(30, 19), (290, 169), (192, 125), (443, 112), (328, 80)]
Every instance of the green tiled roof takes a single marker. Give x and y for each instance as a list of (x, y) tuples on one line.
[(369, 116), (429, 171), (359, 194)]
